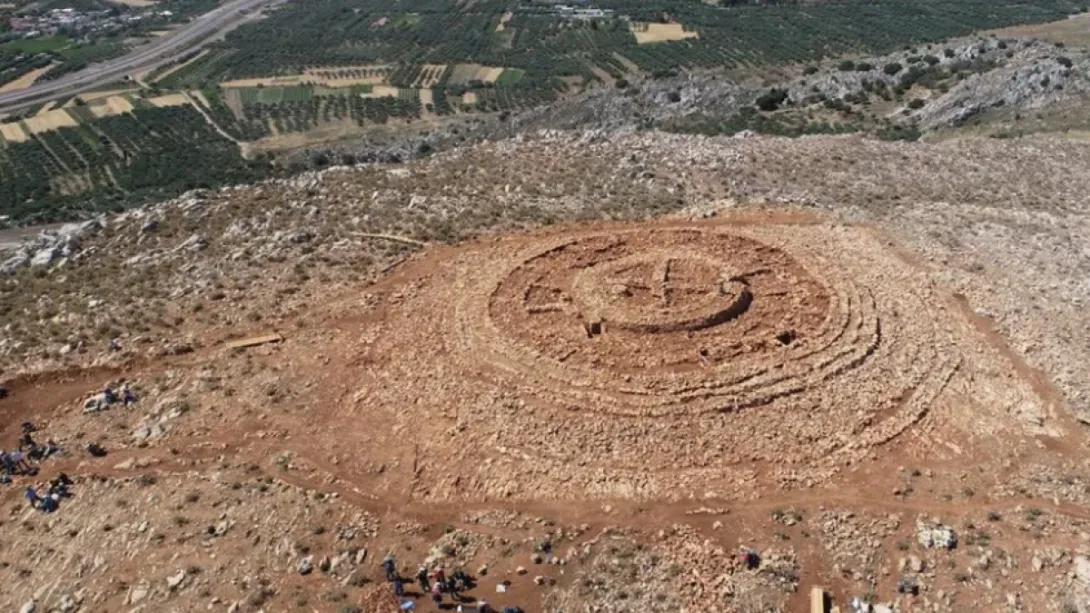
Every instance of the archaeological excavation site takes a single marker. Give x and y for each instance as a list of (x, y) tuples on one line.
[(564, 374)]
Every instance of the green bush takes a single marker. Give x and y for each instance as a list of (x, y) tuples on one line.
[(892, 68), (777, 124), (899, 133), (837, 105), (859, 97), (772, 99)]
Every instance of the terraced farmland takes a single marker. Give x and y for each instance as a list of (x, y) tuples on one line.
[(96, 165), (410, 34)]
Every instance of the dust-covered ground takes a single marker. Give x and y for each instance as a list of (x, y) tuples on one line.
[(591, 365)]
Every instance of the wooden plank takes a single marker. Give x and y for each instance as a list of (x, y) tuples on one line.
[(817, 599), (253, 341)]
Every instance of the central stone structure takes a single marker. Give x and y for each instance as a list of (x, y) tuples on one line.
[(660, 292), (658, 304)]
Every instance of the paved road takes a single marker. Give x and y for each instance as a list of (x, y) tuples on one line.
[(162, 50)]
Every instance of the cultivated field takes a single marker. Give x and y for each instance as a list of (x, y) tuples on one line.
[(660, 32), (112, 105), (24, 81), (430, 75), (97, 105), (330, 77), (1074, 30), (169, 100), (326, 132), (76, 159), (50, 120), (12, 133), (427, 97), (382, 91), (464, 73), (489, 75)]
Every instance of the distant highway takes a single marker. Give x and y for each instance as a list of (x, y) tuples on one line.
[(167, 48)]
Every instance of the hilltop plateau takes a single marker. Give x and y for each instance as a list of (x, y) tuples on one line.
[(589, 367)]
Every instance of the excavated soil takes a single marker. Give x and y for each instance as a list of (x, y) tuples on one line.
[(689, 385), (670, 359)]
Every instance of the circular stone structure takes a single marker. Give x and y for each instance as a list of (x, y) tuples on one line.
[(661, 306), (735, 332), (662, 354), (655, 292)]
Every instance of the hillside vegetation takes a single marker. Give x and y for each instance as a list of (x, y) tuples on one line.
[(333, 71), (339, 32), (110, 162)]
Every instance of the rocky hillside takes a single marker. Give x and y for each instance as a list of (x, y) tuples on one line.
[(940, 87), (186, 273), (930, 89), (273, 478)]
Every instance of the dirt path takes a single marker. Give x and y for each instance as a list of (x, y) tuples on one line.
[(243, 147)]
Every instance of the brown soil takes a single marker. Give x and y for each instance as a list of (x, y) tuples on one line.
[(634, 376)]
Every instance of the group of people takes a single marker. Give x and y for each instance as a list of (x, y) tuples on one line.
[(49, 499), (454, 584), (109, 396), (125, 395), (437, 583), (17, 461)]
